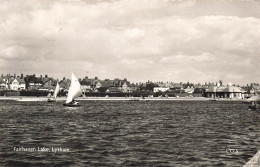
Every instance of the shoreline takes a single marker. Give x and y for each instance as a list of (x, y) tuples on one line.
[(34, 98)]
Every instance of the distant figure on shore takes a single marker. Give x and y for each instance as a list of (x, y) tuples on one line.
[(253, 106)]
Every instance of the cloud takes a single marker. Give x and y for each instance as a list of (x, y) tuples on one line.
[(195, 41)]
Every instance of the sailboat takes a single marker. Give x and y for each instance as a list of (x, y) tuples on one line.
[(74, 92), (57, 89)]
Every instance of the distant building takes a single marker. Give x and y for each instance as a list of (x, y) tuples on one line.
[(32, 82), (22, 85), (104, 84), (177, 87), (132, 87), (86, 85), (127, 87), (2, 84), (12, 82), (118, 83), (39, 83), (160, 89), (17, 84), (189, 90), (225, 92), (166, 85), (7, 80), (65, 84), (113, 90), (199, 89), (48, 83)]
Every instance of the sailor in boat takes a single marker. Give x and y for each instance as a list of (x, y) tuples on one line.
[(74, 102)]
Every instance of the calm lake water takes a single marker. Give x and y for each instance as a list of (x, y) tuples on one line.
[(128, 133)]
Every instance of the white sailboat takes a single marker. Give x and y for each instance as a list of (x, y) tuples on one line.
[(74, 92), (57, 89)]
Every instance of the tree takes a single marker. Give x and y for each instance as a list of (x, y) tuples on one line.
[(102, 89), (150, 86), (220, 82)]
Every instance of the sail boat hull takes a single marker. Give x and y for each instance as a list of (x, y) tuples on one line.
[(51, 100), (71, 104)]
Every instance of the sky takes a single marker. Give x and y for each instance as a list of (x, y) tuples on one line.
[(157, 40)]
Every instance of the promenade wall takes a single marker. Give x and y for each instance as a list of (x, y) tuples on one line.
[(23, 93)]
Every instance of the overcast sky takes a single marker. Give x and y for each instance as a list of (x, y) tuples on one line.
[(158, 40)]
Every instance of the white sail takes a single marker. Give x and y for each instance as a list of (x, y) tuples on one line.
[(57, 89), (74, 90)]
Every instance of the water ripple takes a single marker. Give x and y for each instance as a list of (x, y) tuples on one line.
[(117, 133)]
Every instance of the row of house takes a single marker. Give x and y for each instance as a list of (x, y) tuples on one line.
[(97, 85), (180, 87), (14, 82), (29, 82), (45, 83), (211, 90)]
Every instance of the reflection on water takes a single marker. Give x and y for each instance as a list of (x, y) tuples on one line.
[(127, 133)]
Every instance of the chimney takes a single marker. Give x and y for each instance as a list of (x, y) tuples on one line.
[(86, 77), (14, 75), (46, 76), (41, 76), (2, 75), (22, 75), (33, 75), (96, 78)]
